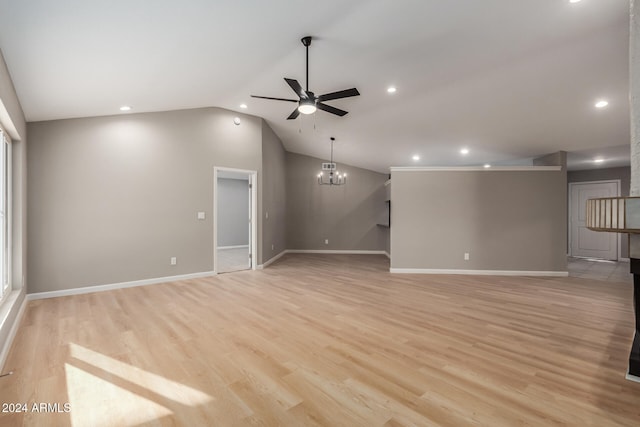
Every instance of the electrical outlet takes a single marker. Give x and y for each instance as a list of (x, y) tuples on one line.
[(273, 247), (466, 256), (266, 215), (200, 215), (174, 260), (326, 241)]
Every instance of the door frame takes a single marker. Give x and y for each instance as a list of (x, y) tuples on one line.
[(570, 227), (253, 213)]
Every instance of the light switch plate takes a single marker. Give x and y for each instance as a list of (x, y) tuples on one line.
[(201, 215)]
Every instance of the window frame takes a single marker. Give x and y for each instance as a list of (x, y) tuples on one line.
[(5, 215)]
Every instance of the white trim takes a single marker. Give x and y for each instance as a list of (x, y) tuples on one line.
[(618, 183), (479, 272), (475, 168), (345, 252), (7, 123), (233, 247), (226, 169), (12, 334), (254, 220), (594, 259), (5, 144), (132, 284), (632, 378), (597, 182), (9, 215), (314, 251), (273, 259), (387, 254)]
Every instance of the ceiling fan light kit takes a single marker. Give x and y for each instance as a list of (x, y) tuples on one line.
[(307, 101), (307, 106)]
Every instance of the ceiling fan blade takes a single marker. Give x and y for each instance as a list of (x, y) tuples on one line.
[(297, 88), (274, 99), (294, 115), (330, 109), (340, 94)]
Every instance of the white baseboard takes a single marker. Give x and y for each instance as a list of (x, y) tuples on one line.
[(318, 251), (387, 254), (632, 378), (345, 252), (101, 288), (480, 272), (12, 334), (624, 259), (272, 260), (233, 247)]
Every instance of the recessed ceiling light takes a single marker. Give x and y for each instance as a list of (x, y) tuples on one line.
[(464, 151), (125, 108), (391, 89), (243, 106), (416, 157), (236, 120), (598, 160), (487, 166), (574, 1), (601, 104)]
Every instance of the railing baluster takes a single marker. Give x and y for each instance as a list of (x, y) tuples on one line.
[(608, 214)]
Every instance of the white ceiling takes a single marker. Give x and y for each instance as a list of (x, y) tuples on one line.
[(612, 157), (508, 79)]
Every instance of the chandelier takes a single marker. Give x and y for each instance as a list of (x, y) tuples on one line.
[(333, 177)]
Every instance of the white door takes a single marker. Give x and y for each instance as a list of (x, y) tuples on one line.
[(584, 242)]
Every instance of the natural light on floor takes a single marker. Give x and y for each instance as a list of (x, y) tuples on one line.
[(104, 391)]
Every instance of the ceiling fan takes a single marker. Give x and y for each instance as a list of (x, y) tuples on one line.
[(308, 102)]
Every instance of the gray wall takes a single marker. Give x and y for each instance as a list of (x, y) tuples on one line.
[(13, 120), (558, 159), (233, 212), (505, 220), (113, 198), (608, 174), (554, 159), (274, 198), (346, 215)]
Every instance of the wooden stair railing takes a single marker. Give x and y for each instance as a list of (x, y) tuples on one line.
[(621, 215)]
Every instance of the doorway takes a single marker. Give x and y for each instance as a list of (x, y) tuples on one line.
[(234, 228), (582, 241)]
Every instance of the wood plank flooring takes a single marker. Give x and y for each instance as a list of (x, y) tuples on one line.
[(329, 340)]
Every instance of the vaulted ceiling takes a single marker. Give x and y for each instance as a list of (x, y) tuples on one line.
[(509, 80)]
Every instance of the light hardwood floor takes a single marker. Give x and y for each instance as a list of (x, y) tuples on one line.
[(333, 341)]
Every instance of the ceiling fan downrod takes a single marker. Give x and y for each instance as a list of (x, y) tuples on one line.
[(306, 41)]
